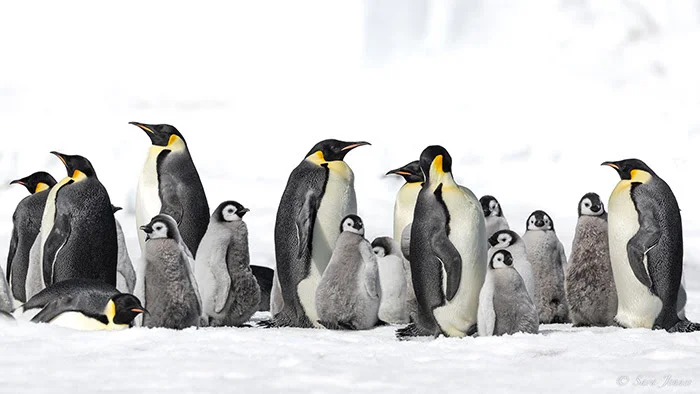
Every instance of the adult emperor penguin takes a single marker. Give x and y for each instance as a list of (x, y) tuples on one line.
[(646, 249), (590, 286), (509, 240), (84, 304), (406, 198), (27, 224), (126, 275), (170, 184), (493, 213), (448, 251), (6, 303), (78, 230), (505, 307), (395, 296), (230, 293), (320, 192), (170, 290), (348, 295), (546, 254)]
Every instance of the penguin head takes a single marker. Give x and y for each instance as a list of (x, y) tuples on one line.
[(629, 169), (383, 246), (161, 134), (490, 206), (333, 150), (540, 221), (76, 166), (504, 238), (230, 211), (160, 227), (501, 259), (411, 172), (353, 224), (37, 182), (435, 161), (590, 205), (126, 308)]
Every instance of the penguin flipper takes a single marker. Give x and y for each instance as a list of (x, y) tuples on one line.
[(66, 304), (169, 197), (451, 260), (305, 223), (406, 241), (11, 255), (222, 278), (640, 244), (56, 240)]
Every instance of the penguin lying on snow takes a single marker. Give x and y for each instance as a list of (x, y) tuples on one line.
[(646, 249), (395, 297), (493, 213)]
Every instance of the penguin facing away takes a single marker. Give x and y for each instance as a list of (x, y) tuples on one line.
[(406, 197), (509, 240), (448, 252), (505, 307), (546, 254), (393, 283), (26, 226), (126, 275), (170, 184), (646, 249), (319, 194), (170, 290), (590, 286), (348, 296), (230, 293)]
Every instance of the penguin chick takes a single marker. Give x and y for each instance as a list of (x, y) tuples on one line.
[(546, 254), (84, 304), (126, 275), (504, 305), (590, 287), (509, 240), (493, 214), (393, 307), (230, 292), (171, 292), (348, 295)]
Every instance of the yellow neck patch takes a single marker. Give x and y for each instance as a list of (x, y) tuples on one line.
[(78, 176), (317, 158), (176, 143), (110, 311), (40, 187), (436, 171), (640, 176)]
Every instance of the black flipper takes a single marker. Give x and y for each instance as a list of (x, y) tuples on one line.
[(11, 254), (306, 217), (65, 304), (646, 238), (57, 238), (449, 257)]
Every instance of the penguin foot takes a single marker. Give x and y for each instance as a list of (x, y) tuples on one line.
[(472, 331), (268, 324), (685, 326), (411, 330)]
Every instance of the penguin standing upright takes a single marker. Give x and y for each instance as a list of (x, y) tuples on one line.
[(27, 224), (126, 275), (495, 221), (320, 192), (170, 184), (448, 251), (590, 286), (78, 231), (394, 306), (646, 249), (406, 198), (230, 293), (509, 240)]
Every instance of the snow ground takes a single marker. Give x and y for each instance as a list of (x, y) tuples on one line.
[(529, 98)]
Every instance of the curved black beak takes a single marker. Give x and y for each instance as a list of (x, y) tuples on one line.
[(242, 212), (61, 157), (353, 145), (143, 127), (595, 208), (146, 229), (539, 223)]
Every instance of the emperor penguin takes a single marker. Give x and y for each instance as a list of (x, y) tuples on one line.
[(78, 237), (509, 240), (406, 198), (493, 213), (265, 277), (505, 307), (170, 290), (230, 293), (448, 251), (590, 286), (395, 297), (646, 249), (6, 301), (546, 254), (26, 226), (348, 295), (126, 275), (170, 184), (83, 304), (320, 192)]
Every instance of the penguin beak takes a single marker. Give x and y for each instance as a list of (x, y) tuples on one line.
[(508, 259), (354, 145), (610, 164), (493, 241), (539, 223), (140, 310), (146, 229), (242, 212), (143, 127), (60, 157), (18, 182)]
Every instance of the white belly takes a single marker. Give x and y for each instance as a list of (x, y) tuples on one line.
[(392, 282), (404, 207), (148, 202), (468, 234), (78, 321), (637, 306), (47, 221)]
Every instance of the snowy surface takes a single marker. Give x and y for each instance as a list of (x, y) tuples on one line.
[(529, 98)]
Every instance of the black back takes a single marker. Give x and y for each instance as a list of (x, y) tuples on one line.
[(94, 289)]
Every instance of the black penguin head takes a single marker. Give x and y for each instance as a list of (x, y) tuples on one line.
[(126, 308), (161, 134), (76, 165), (383, 246), (629, 168), (504, 238), (353, 224), (37, 182), (501, 259), (539, 221), (333, 150), (437, 158), (160, 227), (411, 172), (230, 211), (590, 205), (490, 206)]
